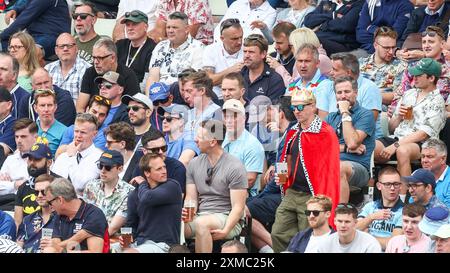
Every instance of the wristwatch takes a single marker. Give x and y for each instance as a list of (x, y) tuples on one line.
[(347, 118), (396, 145)]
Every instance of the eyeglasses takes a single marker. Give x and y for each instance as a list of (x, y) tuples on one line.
[(51, 201), (132, 14), (62, 46), (209, 175), (36, 192), (156, 150), (15, 47), (83, 15), (106, 85), (388, 185), (299, 107), (135, 108), (101, 58), (229, 23), (102, 100), (387, 48), (100, 166), (314, 212), (414, 186)]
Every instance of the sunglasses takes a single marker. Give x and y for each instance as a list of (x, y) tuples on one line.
[(314, 212), (299, 107), (106, 85), (158, 102), (83, 15), (169, 118), (62, 46), (100, 166), (132, 14), (229, 23), (135, 108), (209, 175), (36, 192), (44, 91), (102, 100), (156, 149), (255, 38), (431, 33)]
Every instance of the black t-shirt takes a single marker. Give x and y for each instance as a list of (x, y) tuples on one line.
[(288, 63), (300, 183), (131, 87), (142, 59), (26, 198)]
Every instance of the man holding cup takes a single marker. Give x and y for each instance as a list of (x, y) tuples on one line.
[(427, 119)]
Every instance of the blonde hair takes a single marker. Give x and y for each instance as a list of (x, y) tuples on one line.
[(30, 61), (303, 36)]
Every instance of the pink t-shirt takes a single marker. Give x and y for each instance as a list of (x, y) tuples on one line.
[(398, 244)]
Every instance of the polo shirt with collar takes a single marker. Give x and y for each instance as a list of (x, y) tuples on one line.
[(383, 228), (52, 136), (269, 84), (88, 217), (79, 173), (443, 187), (30, 231), (217, 58), (315, 85)]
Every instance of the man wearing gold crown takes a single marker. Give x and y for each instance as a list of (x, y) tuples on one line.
[(311, 152)]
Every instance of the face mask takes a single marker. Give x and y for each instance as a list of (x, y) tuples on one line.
[(36, 172)]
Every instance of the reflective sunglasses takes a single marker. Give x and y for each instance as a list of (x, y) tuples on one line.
[(132, 14), (255, 37), (314, 212), (299, 107), (346, 206), (209, 175), (107, 85), (432, 31), (102, 100), (82, 15), (100, 166)]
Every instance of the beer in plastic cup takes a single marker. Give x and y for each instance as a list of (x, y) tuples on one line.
[(409, 112), (282, 172), (189, 205), (46, 233), (126, 233)]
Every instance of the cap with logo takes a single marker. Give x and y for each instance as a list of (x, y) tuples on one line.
[(421, 176), (111, 157), (139, 97), (257, 108), (302, 96), (39, 151), (426, 66), (136, 16), (112, 77), (159, 91), (234, 105)]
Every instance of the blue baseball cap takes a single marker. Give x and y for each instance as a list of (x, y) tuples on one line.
[(421, 176), (39, 151), (111, 157), (433, 219), (159, 91)]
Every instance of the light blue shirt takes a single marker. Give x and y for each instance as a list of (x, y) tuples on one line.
[(369, 97), (383, 228), (176, 147), (53, 135), (249, 151), (99, 140), (443, 187)]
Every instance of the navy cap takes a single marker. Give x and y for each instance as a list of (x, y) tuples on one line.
[(421, 176), (39, 151), (111, 157)]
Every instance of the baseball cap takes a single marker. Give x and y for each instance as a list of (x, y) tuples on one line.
[(159, 91), (139, 97), (433, 219), (234, 105), (302, 96), (136, 16), (426, 66), (112, 77), (111, 157), (176, 110), (257, 108), (5, 95), (39, 151), (421, 176), (442, 232)]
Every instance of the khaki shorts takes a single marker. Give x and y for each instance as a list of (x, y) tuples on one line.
[(222, 217)]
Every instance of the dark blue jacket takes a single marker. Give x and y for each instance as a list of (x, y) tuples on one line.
[(336, 29), (65, 113), (391, 13), (20, 96), (49, 17), (300, 241)]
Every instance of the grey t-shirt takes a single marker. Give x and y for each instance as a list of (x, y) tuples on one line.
[(363, 243), (228, 174)]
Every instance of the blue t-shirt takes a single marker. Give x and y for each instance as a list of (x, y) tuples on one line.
[(53, 136), (30, 231), (7, 226), (443, 188), (369, 97), (7, 133), (383, 228), (99, 140), (362, 119), (176, 147), (110, 116)]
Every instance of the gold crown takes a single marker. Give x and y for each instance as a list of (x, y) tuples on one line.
[(302, 96)]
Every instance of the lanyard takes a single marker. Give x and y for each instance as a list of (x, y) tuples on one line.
[(128, 62)]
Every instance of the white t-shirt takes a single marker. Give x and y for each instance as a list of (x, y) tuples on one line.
[(315, 241), (362, 243)]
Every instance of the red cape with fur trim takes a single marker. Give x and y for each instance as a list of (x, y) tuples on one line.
[(320, 152)]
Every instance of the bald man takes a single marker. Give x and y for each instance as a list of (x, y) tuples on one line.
[(41, 79), (67, 72)]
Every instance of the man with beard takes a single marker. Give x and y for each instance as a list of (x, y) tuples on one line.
[(355, 128), (30, 231), (39, 162), (318, 211), (85, 17), (383, 218)]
